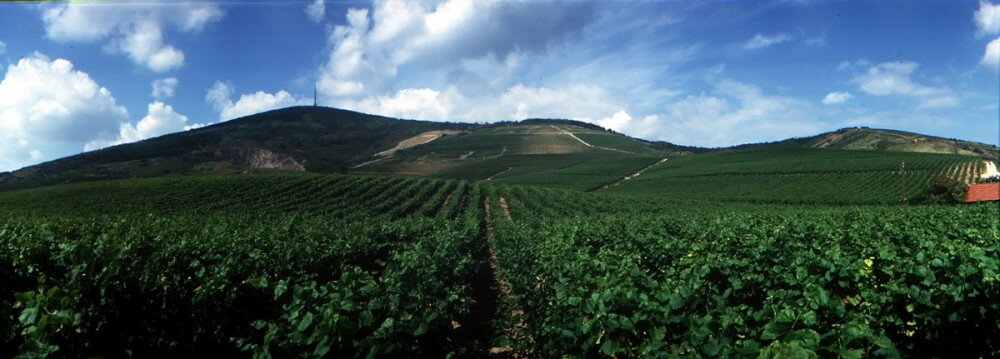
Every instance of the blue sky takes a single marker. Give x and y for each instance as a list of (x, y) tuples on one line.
[(82, 76)]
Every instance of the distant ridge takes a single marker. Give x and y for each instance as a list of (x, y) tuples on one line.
[(330, 140), (864, 138)]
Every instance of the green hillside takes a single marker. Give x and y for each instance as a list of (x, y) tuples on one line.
[(863, 138), (798, 175), (550, 153), (554, 153), (315, 139)]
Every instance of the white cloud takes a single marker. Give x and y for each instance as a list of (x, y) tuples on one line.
[(761, 41), (837, 97), (316, 10), (220, 96), (82, 22), (733, 113), (47, 104), (164, 88), (616, 122), (368, 52), (416, 103), (160, 120), (991, 57), (517, 102), (136, 30), (195, 18), (143, 43), (893, 78), (3, 47), (988, 18), (847, 64)]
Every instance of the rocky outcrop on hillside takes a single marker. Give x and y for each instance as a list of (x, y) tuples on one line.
[(258, 158)]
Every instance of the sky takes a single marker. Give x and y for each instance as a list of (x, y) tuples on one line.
[(86, 75)]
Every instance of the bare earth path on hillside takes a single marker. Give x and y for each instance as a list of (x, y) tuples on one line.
[(589, 145), (407, 143), (634, 175), (490, 178)]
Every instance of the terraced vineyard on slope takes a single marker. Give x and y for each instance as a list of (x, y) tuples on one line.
[(313, 265), (799, 175)]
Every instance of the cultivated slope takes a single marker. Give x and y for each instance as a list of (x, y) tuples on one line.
[(297, 138), (801, 175), (555, 153), (863, 138)]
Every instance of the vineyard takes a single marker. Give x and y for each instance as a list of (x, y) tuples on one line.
[(801, 176), (308, 265)]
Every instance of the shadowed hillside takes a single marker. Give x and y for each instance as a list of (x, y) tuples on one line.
[(297, 138)]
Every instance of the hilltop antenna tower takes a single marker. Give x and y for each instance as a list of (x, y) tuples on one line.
[(315, 102)]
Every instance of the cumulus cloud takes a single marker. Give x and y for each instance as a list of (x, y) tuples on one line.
[(160, 120), (894, 79), (760, 41), (517, 102), (143, 43), (164, 88), (734, 112), (616, 122), (834, 98), (316, 10), (368, 52), (136, 30), (46, 103), (991, 57), (988, 18), (490, 75), (220, 96)]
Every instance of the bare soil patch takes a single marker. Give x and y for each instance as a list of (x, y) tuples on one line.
[(503, 205), (417, 140)]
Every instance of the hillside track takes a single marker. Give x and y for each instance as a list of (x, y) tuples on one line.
[(490, 178), (585, 143), (631, 176)]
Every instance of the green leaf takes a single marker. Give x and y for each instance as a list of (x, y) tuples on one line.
[(610, 347), (305, 322)]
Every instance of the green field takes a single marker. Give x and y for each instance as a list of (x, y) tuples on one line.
[(796, 175), (290, 265), (294, 233)]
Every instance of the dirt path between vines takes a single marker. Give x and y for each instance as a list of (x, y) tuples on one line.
[(447, 198), (967, 176), (503, 205), (490, 178), (589, 145), (511, 333), (634, 175)]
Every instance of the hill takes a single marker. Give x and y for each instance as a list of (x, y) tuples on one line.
[(863, 138), (552, 153), (771, 174), (327, 140), (549, 152), (315, 139)]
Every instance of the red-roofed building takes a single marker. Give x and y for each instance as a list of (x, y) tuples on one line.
[(983, 192)]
